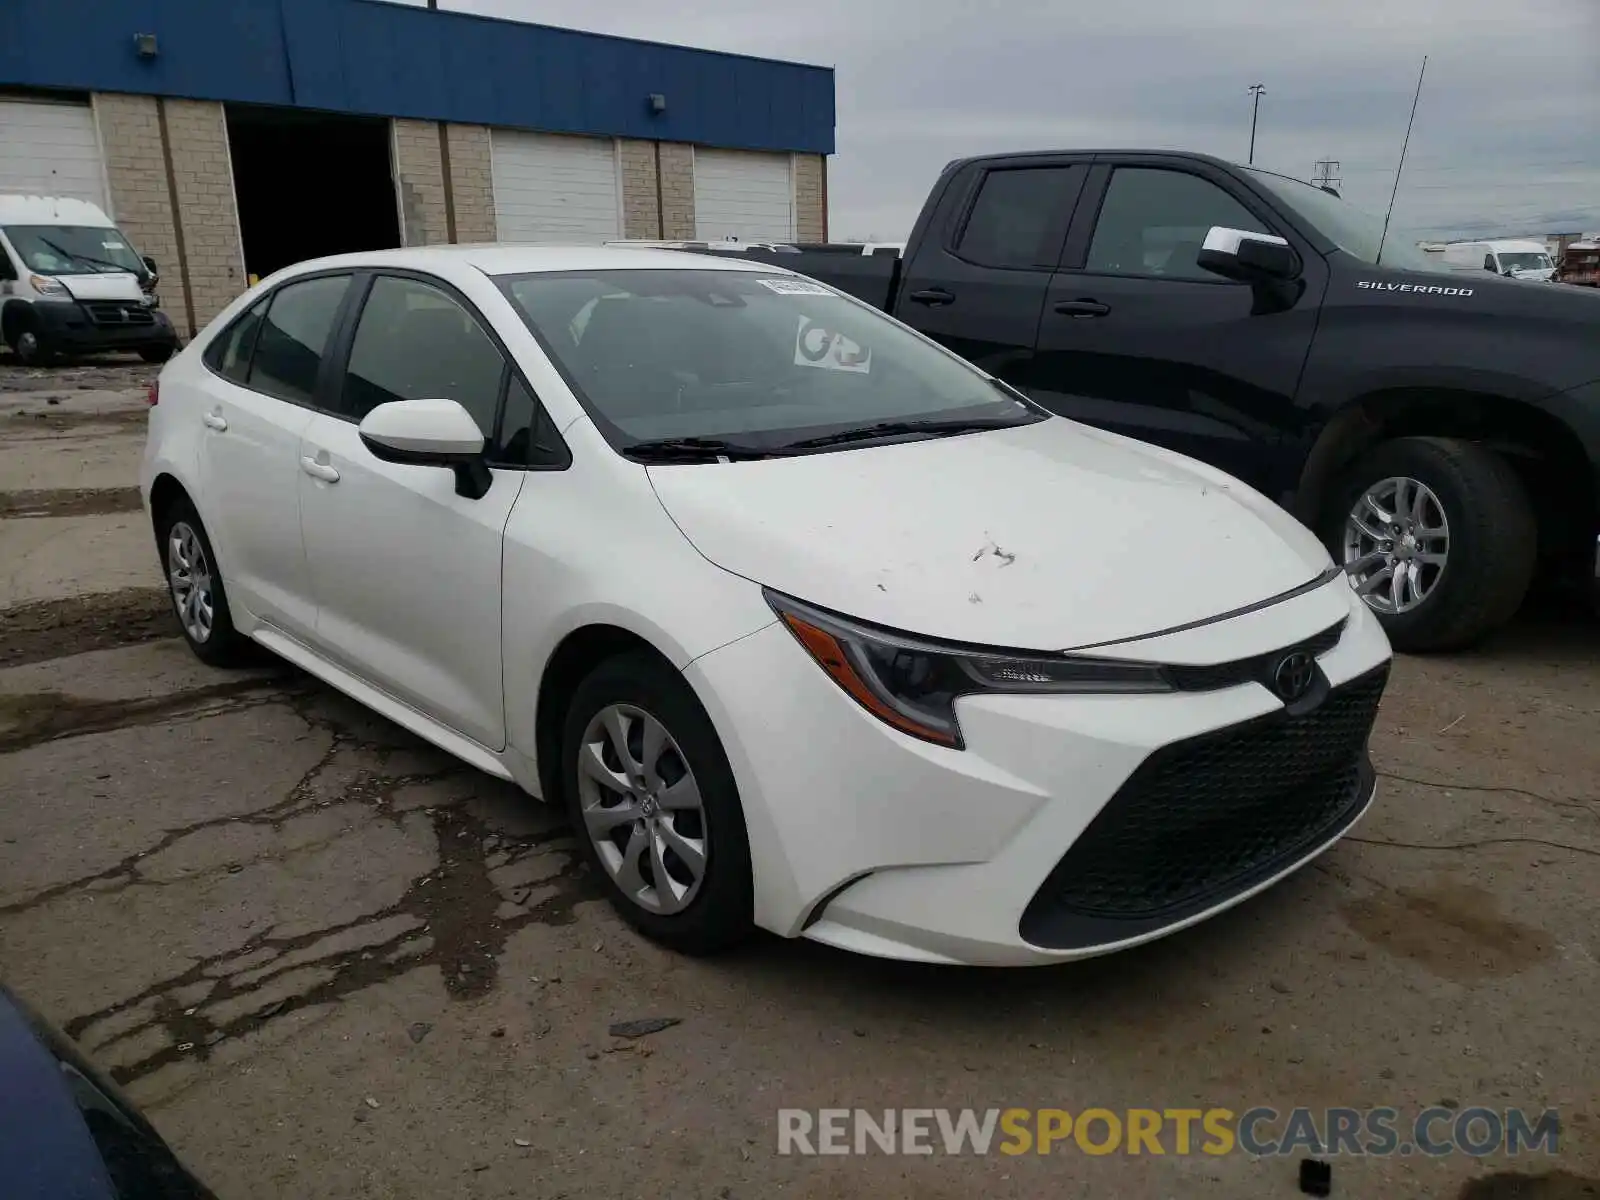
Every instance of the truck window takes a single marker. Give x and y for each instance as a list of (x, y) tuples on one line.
[(1154, 221), (1488, 262), (1017, 217)]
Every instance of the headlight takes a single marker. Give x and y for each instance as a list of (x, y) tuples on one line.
[(46, 286), (912, 684)]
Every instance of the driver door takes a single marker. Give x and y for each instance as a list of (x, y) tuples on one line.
[(405, 572)]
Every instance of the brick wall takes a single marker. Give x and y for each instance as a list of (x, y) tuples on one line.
[(472, 182), (677, 191), (202, 179), (810, 215), (197, 135), (420, 175), (141, 205), (641, 215)]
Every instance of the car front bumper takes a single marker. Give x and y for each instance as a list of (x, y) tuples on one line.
[(1070, 826), (103, 325)]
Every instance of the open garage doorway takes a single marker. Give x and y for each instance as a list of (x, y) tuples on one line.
[(310, 184)]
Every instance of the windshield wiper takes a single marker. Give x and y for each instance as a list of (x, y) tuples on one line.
[(879, 429), (86, 258), (680, 449)]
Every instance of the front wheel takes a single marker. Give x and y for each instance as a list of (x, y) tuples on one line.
[(654, 805), (30, 346), (1439, 538)]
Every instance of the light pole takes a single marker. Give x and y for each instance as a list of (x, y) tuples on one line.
[(1256, 89)]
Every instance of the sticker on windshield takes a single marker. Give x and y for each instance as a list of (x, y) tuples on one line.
[(817, 346), (794, 287), (113, 246)]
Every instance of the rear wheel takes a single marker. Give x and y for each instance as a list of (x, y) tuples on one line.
[(654, 804), (1439, 537), (195, 585)]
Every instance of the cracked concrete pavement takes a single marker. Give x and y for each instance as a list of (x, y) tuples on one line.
[(332, 962)]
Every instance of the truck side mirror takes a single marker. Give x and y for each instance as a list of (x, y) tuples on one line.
[(1247, 257), (150, 265)]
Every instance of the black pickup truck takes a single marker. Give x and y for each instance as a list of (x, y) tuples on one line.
[(1440, 430)]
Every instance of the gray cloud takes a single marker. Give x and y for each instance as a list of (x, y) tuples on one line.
[(1506, 136)]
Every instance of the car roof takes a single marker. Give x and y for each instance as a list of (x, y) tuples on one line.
[(497, 258), (50, 210)]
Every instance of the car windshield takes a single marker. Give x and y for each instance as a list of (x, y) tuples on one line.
[(73, 249), (1524, 261), (760, 360), (1357, 232)]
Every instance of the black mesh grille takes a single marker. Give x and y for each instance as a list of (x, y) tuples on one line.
[(119, 312), (1211, 817), (1243, 670)]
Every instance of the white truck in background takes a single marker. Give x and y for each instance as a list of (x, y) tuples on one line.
[(1515, 258)]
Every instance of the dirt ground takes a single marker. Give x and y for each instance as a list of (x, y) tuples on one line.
[(331, 962)]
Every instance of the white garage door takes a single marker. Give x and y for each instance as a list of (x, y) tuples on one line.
[(550, 188), (743, 195), (50, 149)]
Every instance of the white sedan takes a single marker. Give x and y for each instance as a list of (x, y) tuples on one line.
[(808, 623)]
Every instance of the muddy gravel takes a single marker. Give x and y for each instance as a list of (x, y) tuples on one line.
[(49, 629)]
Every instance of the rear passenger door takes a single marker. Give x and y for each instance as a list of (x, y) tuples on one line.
[(1136, 337), (977, 280), (265, 370), (406, 573)]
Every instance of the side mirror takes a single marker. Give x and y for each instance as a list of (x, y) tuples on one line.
[(430, 433), (1247, 257), (150, 265)]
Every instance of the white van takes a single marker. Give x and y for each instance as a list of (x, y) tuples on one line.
[(1517, 258), (71, 282)]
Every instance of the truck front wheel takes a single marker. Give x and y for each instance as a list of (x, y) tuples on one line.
[(1439, 539)]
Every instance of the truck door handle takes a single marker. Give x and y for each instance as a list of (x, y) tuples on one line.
[(1082, 308), (934, 296), (215, 421), (326, 472)]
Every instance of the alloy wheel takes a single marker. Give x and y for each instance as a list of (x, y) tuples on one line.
[(1396, 544), (642, 808), (190, 576)]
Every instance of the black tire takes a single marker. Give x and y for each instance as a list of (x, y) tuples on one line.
[(224, 646), (718, 916), (28, 342), (155, 354), (1493, 537)]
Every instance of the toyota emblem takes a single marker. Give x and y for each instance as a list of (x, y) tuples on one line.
[(1293, 675)]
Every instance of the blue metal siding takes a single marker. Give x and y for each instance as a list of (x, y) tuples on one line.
[(366, 56)]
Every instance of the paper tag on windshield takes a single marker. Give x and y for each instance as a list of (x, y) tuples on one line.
[(112, 246), (794, 287), (816, 346)]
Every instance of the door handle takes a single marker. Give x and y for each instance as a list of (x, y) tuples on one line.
[(1082, 308), (326, 472), (215, 421), (933, 296)]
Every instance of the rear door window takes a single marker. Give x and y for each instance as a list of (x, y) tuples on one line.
[(294, 337), (1020, 217)]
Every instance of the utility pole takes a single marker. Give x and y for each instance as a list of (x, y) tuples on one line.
[(1401, 166), (1325, 173), (1256, 90)]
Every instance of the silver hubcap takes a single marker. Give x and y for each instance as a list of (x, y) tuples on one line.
[(642, 808), (27, 343), (1396, 543), (190, 577)]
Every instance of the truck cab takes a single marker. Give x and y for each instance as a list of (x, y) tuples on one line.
[(1512, 258), (71, 282)]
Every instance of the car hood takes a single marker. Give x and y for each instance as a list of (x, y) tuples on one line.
[(110, 285), (1046, 536)]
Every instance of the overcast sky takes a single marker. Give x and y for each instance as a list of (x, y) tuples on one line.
[(1507, 136)]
